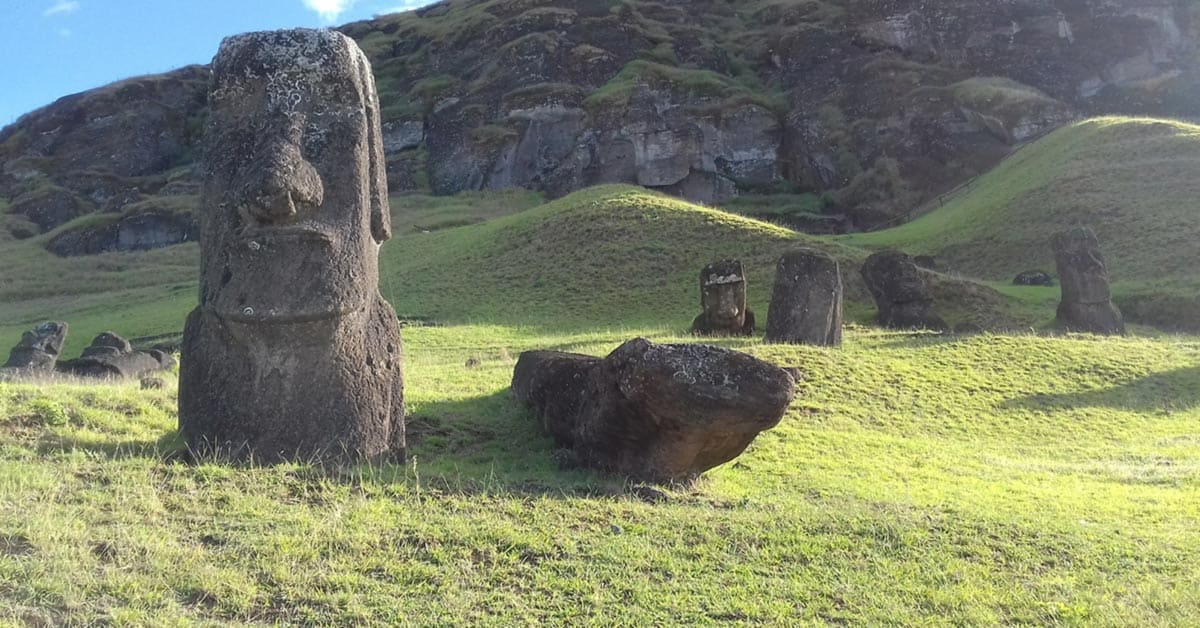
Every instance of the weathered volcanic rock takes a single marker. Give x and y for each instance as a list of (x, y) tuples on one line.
[(292, 353), (900, 291), (1086, 300), (111, 356), (662, 413), (806, 302), (723, 301), (39, 348)]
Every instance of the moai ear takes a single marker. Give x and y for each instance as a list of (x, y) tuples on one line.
[(381, 213)]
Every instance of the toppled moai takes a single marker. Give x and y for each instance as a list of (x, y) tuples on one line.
[(292, 353), (901, 293), (39, 348), (1033, 278), (113, 357), (806, 302), (660, 413), (723, 301), (1086, 304)]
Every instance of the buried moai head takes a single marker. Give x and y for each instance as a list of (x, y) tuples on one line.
[(900, 291), (295, 195), (1086, 299), (723, 300)]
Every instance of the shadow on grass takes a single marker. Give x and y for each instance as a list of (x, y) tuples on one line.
[(1168, 391), (489, 444), (167, 447)]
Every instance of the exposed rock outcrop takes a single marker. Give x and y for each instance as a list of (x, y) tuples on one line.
[(881, 105), (662, 413)]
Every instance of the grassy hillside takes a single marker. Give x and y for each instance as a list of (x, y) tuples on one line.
[(989, 480), (1133, 180), (917, 479), (610, 256)]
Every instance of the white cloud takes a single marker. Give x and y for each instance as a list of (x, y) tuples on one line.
[(405, 5), (329, 10), (62, 7)]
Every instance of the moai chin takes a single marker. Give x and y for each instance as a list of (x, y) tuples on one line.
[(1086, 303), (292, 353), (723, 301)]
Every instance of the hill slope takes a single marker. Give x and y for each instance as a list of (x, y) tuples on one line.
[(1135, 181), (877, 104)]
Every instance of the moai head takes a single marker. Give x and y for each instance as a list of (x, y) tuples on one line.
[(723, 294), (1081, 268), (295, 194), (39, 348), (892, 276)]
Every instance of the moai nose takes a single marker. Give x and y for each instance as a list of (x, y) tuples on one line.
[(284, 183)]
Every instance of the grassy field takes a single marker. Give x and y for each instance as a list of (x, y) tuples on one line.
[(917, 479)]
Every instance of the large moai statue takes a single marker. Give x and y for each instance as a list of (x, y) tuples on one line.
[(1086, 301), (806, 302), (723, 301), (292, 353), (901, 294), (39, 348)]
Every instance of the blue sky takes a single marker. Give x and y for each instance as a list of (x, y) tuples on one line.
[(51, 48)]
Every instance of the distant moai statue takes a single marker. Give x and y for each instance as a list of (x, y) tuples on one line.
[(806, 302), (1086, 300), (292, 353), (39, 348), (111, 356), (901, 294), (723, 301)]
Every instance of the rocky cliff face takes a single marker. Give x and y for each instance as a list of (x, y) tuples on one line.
[(880, 104)]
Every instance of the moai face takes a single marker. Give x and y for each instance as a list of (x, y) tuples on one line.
[(723, 294), (893, 277), (295, 202)]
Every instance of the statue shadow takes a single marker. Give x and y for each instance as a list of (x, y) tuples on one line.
[(1167, 391), (486, 444), (169, 446), (493, 444)]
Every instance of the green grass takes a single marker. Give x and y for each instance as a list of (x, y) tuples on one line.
[(917, 479), (1130, 179), (690, 83), (985, 480)]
